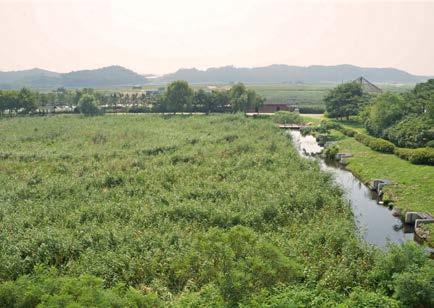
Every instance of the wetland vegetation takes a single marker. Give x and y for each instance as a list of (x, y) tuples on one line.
[(220, 210)]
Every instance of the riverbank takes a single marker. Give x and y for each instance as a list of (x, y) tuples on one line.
[(374, 222), (411, 185)]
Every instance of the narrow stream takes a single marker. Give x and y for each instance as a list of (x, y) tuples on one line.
[(375, 222)]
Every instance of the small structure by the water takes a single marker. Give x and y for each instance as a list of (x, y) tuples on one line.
[(377, 185), (340, 156), (419, 219)]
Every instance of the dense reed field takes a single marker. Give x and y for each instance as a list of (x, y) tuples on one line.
[(182, 211)]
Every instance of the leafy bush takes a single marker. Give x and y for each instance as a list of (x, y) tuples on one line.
[(430, 144), (50, 290), (323, 128), (420, 156), (248, 262), (415, 288), (307, 130), (286, 117), (295, 296), (360, 298), (330, 125), (322, 139), (399, 259), (377, 144), (331, 151), (381, 145), (348, 131), (411, 132), (384, 110)]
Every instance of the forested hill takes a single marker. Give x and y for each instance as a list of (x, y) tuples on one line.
[(103, 77), (284, 73)]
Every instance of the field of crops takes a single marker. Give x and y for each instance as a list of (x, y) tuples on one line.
[(184, 210)]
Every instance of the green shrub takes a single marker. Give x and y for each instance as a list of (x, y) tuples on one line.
[(330, 125), (307, 130), (377, 144), (331, 151), (286, 117), (50, 290), (412, 132), (295, 296), (399, 259), (381, 145), (415, 289), (348, 131), (430, 144), (360, 298), (420, 156), (323, 128), (322, 139), (312, 109)]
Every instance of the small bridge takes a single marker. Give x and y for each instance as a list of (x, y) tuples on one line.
[(291, 126)]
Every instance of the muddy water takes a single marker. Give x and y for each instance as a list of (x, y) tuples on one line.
[(375, 222)]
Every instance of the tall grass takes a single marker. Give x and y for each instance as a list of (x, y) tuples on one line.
[(185, 210)]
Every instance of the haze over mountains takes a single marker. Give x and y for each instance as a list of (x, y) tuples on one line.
[(285, 73), (278, 73)]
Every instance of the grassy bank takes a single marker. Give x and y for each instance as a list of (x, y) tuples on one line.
[(133, 211), (412, 185)]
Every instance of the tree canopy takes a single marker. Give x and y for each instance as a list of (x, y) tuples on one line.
[(88, 105), (344, 101), (383, 111), (405, 119), (179, 96), (23, 101), (242, 99)]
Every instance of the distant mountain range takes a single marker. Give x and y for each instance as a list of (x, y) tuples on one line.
[(293, 74), (112, 76)]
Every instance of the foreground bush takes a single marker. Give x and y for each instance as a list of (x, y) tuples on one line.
[(376, 144), (360, 298), (415, 289), (421, 156), (48, 289)]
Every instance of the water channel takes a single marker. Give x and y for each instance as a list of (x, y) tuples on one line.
[(375, 222)]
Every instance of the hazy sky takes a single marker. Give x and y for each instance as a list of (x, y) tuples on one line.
[(160, 36)]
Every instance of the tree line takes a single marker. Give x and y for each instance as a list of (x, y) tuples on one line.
[(405, 119), (178, 96)]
